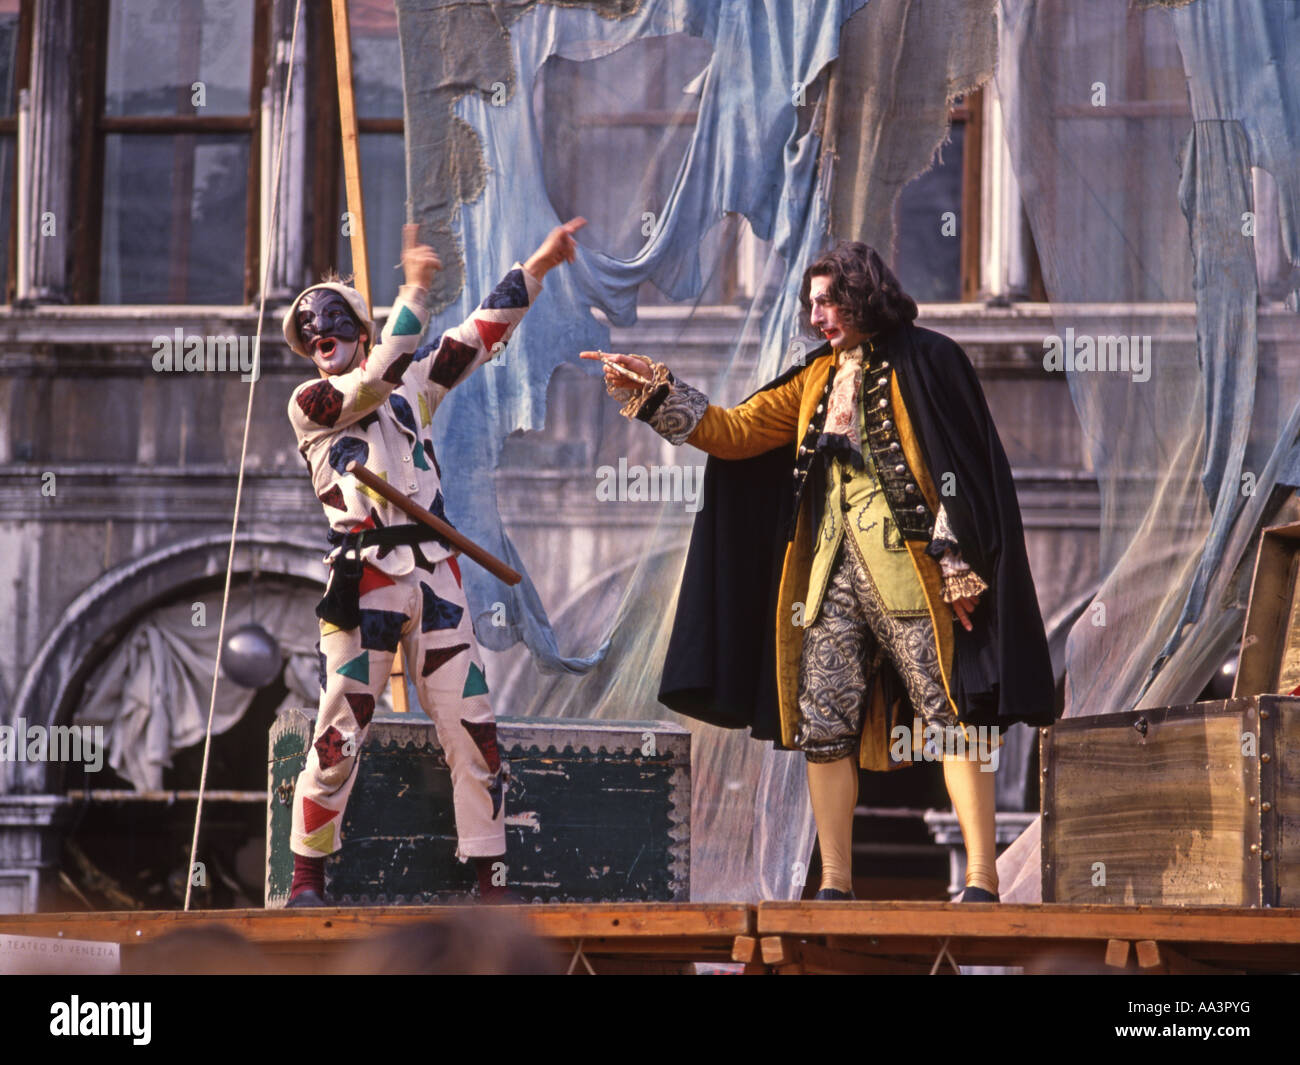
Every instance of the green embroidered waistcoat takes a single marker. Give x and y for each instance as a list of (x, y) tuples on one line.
[(856, 501)]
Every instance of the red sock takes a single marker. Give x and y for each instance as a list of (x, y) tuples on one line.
[(308, 873), (483, 866)]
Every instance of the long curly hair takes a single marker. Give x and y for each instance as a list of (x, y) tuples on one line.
[(865, 290)]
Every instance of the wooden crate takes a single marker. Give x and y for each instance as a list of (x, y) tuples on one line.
[(1270, 644), (596, 811), (1189, 805)]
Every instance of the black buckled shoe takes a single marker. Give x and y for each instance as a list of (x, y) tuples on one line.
[(304, 899), (977, 894), (830, 894)]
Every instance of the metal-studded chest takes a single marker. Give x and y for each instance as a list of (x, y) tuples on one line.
[(807, 451), (912, 514)]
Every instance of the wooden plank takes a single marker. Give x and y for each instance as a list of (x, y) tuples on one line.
[(1282, 821), (1048, 955), (1152, 956), (814, 957), (1264, 635), (972, 151), (360, 256), (351, 148), (793, 937), (1207, 924), (253, 201), (595, 921)]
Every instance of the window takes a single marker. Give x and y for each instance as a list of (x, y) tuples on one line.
[(937, 216), (15, 44), (178, 130)]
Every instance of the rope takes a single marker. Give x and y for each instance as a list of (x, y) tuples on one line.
[(243, 449)]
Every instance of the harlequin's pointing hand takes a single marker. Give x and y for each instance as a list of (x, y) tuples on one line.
[(558, 247), (419, 261)]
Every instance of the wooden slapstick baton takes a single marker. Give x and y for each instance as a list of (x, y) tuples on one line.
[(466, 546)]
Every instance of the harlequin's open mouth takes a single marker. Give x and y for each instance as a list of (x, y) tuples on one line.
[(325, 347)]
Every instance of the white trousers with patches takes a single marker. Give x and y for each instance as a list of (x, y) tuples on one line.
[(428, 614)]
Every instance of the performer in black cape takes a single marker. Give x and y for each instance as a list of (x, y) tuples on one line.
[(860, 544)]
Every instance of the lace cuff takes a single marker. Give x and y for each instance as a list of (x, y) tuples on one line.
[(642, 402), (953, 565), (962, 584), (672, 408)]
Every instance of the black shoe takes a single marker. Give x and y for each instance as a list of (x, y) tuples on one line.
[(830, 894), (977, 894), (304, 899)]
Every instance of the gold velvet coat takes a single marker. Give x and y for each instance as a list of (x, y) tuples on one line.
[(780, 416)]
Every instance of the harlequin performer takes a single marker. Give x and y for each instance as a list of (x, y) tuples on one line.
[(391, 581), (846, 578)]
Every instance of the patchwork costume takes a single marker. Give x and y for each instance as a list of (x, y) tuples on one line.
[(393, 583)]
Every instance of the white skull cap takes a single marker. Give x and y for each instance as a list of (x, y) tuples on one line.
[(354, 300)]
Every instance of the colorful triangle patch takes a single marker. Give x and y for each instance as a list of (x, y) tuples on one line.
[(371, 579), (484, 735), (406, 325), (475, 682), (438, 613), (438, 657), (314, 814), (365, 488), (357, 669), (489, 331), (417, 456), (425, 416), (368, 396), (321, 840), (363, 707), (333, 497)]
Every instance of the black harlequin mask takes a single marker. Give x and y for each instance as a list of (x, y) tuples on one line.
[(324, 315)]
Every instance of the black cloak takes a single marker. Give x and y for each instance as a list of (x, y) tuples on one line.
[(721, 665)]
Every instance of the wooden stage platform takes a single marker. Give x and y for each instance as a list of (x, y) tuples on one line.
[(770, 937)]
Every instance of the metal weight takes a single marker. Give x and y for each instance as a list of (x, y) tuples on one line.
[(251, 656)]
